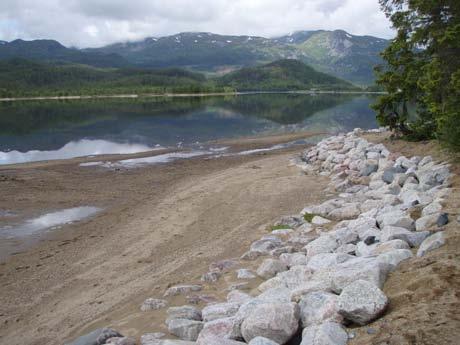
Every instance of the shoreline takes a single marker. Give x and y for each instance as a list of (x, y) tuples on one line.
[(179, 95)]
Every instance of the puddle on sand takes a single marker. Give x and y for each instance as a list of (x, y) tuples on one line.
[(47, 221), (74, 149), (138, 162)]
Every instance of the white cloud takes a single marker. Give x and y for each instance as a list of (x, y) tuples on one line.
[(86, 23)]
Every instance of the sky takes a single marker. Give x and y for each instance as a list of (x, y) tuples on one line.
[(94, 23)]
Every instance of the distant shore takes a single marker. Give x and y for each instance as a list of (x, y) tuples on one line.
[(211, 94)]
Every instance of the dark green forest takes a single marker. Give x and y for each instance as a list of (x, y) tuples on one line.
[(422, 71), (19, 77)]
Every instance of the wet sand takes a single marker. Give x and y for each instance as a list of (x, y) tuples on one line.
[(161, 225)]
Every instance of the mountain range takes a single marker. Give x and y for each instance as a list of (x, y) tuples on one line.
[(338, 53)]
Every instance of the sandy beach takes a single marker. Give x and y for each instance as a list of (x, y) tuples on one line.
[(161, 224)]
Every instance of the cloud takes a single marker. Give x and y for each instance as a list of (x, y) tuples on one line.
[(90, 23)]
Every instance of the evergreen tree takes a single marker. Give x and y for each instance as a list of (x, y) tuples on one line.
[(422, 74)]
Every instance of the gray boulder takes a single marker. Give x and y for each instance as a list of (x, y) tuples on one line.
[(216, 329), (270, 267), (318, 307), (323, 244), (264, 246), (262, 341), (185, 329), (361, 302), (151, 338), (431, 222), (153, 304), (211, 277), (293, 259), (362, 268), (390, 245), (431, 243), (236, 296), (96, 337), (327, 333), (183, 312), (277, 322), (326, 260), (396, 218), (394, 257), (181, 290), (347, 211), (219, 311), (244, 273)]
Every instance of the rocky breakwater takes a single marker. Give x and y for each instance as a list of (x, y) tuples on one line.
[(322, 270)]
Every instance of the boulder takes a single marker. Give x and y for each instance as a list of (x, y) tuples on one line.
[(370, 166), (270, 267), (96, 337), (362, 268), (236, 296), (323, 244), (320, 281), (216, 329), (389, 246), (252, 255), (433, 176), (219, 311), (389, 174), (361, 302), (122, 341), (281, 250), (266, 245), (362, 249), (183, 312), (434, 207), (211, 277), (185, 329), (431, 243), (345, 236), (414, 239), (431, 222), (347, 211), (318, 307), (396, 218), (151, 338), (282, 232), (327, 333), (275, 321), (347, 249), (318, 220), (278, 295), (244, 273), (294, 259), (153, 304), (394, 233), (295, 277), (272, 283), (182, 290), (262, 341), (326, 260), (394, 257)]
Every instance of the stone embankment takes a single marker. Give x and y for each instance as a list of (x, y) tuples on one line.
[(321, 271)]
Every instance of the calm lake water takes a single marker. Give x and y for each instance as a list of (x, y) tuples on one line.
[(31, 131)]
